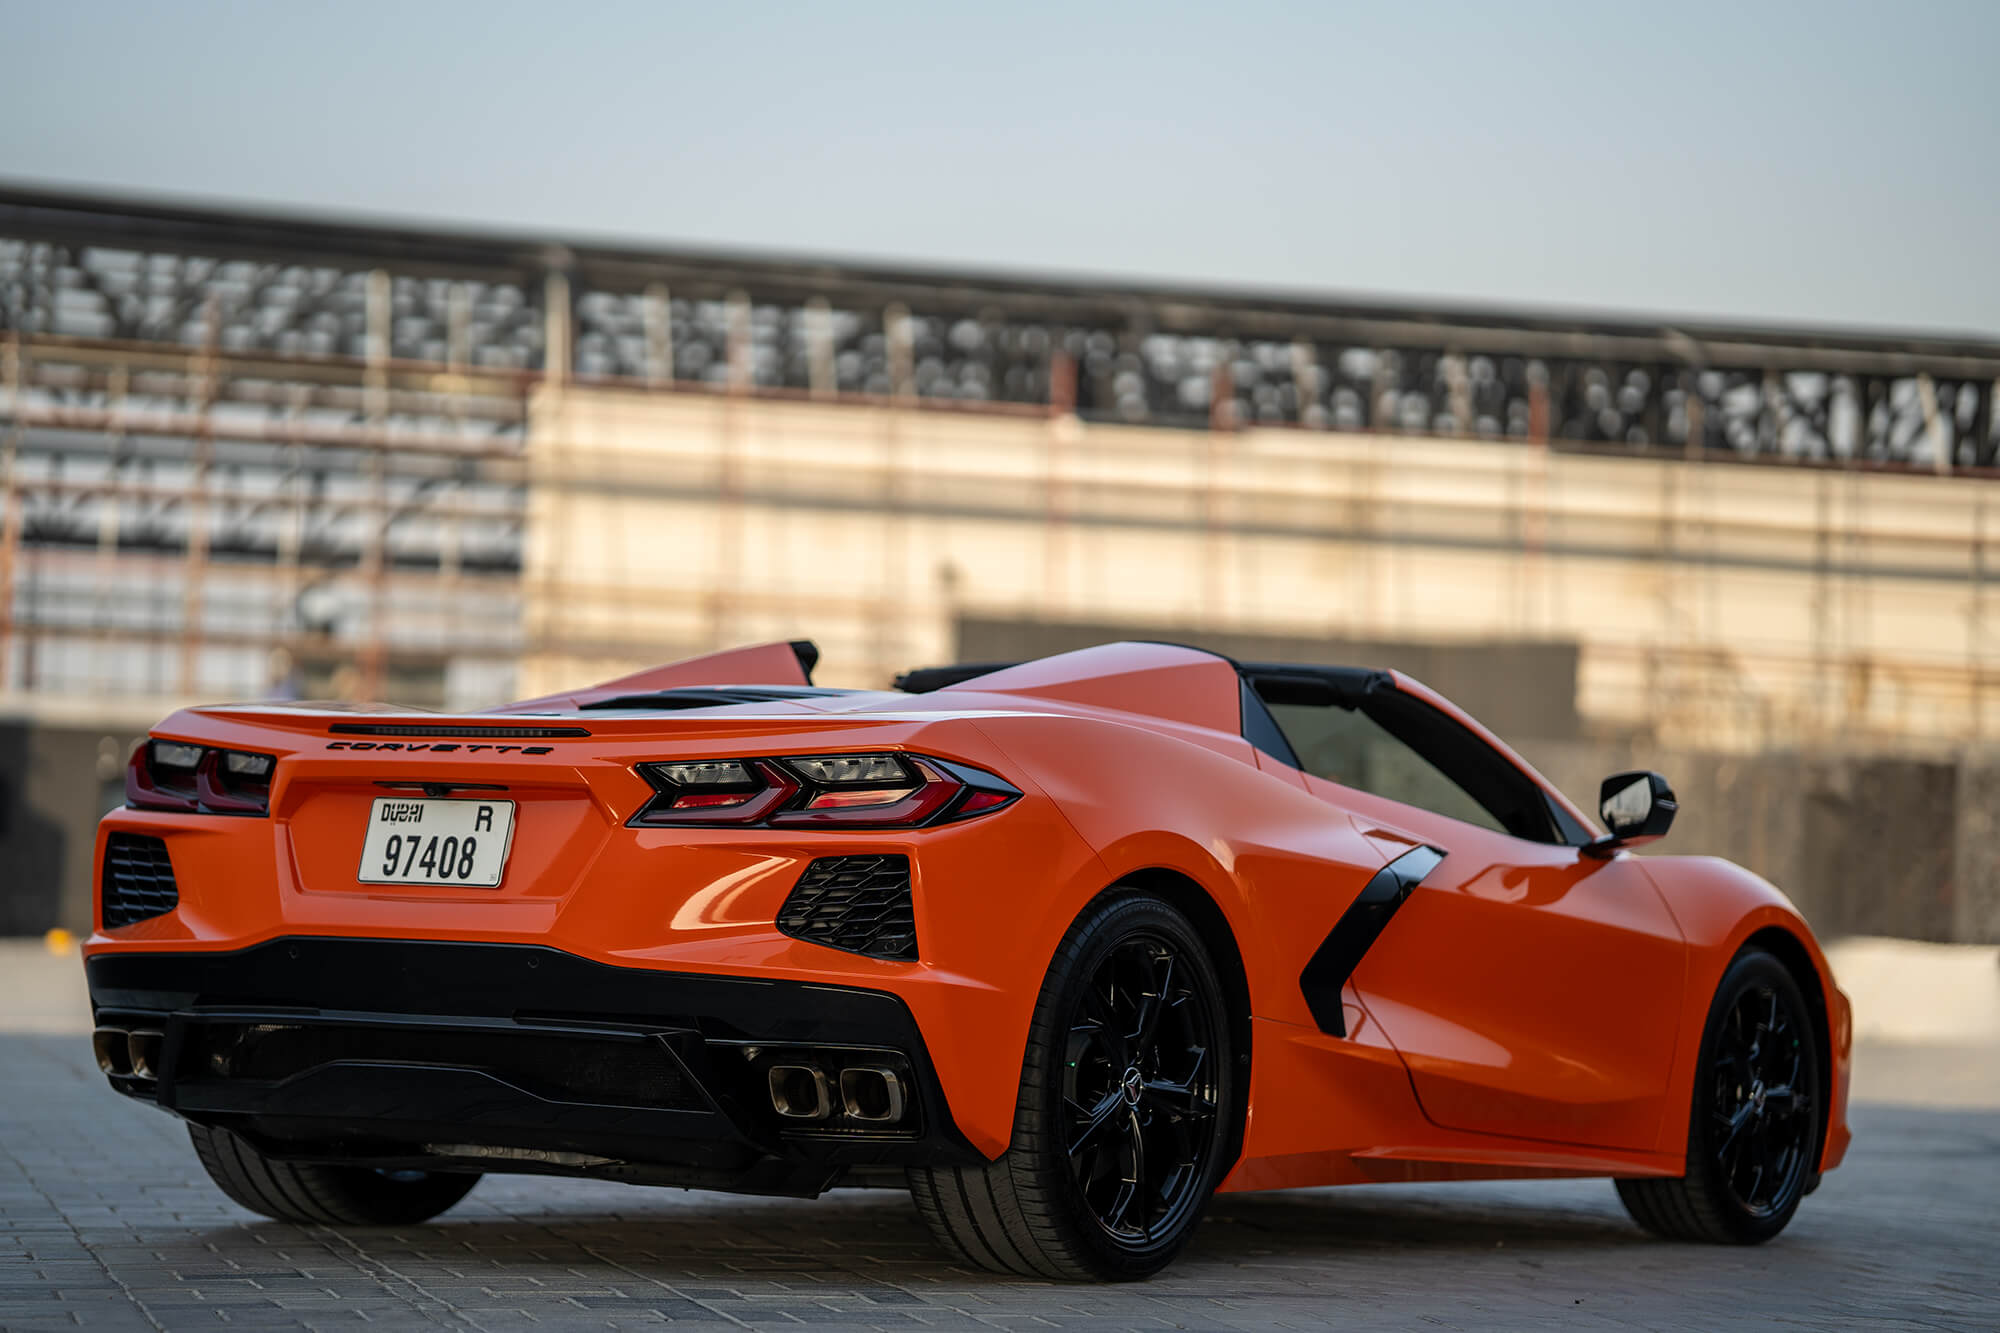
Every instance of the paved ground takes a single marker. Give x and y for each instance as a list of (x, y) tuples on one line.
[(106, 1221)]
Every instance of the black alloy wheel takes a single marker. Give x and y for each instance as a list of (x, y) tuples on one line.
[(1129, 1099), (1760, 1107), (1754, 1126), (1140, 1094)]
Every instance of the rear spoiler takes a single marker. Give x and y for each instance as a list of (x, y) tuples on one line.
[(923, 680), (781, 663)]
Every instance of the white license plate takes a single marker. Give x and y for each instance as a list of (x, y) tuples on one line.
[(414, 841)]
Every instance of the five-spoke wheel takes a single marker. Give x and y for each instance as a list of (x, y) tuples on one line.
[(1760, 1106), (1127, 1098), (1754, 1128), (1139, 1090)]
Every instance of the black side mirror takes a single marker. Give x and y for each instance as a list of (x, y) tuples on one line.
[(1635, 807)]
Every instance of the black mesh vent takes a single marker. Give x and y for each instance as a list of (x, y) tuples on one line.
[(138, 879), (857, 903), (585, 1067)]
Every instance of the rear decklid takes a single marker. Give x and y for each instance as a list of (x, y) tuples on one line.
[(561, 784)]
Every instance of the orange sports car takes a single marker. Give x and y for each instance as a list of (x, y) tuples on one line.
[(1064, 946)]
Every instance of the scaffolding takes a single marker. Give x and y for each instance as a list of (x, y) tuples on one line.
[(204, 522), (246, 454)]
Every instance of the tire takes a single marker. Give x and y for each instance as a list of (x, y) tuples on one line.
[(1062, 1201), (1754, 1126), (324, 1195)]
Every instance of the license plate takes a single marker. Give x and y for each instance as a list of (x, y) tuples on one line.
[(413, 841)]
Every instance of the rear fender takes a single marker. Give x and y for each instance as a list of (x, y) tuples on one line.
[(1280, 864)]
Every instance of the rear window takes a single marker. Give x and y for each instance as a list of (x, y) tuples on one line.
[(1344, 745)]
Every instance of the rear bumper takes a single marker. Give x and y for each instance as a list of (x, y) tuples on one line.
[(517, 1057)]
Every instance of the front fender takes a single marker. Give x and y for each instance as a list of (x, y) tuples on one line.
[(1720, 907)]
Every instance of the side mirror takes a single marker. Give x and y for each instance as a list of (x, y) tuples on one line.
[(1635, 807)]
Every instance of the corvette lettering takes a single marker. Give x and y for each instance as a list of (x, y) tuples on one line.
[(443, 748)]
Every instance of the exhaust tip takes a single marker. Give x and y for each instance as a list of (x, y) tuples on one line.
[(143, 1050), (799, 1092), (872, 1094), (110, 1045)]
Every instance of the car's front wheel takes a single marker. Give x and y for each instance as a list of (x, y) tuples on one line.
[(1753, 1132), (1126, 1097), (327, 1195)]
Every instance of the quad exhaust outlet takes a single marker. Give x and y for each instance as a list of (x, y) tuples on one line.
[(799, 1092), (128, 1054), (873, 1095)]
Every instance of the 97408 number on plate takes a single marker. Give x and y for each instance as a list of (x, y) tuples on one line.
[(412, 841)]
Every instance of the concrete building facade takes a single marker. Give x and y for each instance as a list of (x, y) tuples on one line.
[(1725, 606)]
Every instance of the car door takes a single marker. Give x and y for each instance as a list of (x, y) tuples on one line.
[(1532, 990)]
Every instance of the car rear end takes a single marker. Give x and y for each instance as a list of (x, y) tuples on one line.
[(708, 947)]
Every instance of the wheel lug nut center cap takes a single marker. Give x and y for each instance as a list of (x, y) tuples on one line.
[(1132, 1085)]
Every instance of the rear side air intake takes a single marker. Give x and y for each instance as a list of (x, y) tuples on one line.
[(138, 879), (857, 903)]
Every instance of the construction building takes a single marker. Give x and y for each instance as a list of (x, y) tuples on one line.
[(245, 455)]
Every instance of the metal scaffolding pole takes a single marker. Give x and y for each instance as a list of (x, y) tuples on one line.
[(196, 569), (10, 497)]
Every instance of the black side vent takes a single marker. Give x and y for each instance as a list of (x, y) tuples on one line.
[(1337, 956), (857, 903), (138, 879)]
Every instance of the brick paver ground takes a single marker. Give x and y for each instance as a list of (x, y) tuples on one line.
[(106, 1221)]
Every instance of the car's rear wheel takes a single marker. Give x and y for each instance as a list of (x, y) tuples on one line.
[(1753, 1133), (1127, 1094), (327, 1195)]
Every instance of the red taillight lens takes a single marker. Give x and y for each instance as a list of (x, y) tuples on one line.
[(177, 775), (710, 800), (881, 806), (235, 782), (982, 801), (886, 790), (722, 792), (161, 776)]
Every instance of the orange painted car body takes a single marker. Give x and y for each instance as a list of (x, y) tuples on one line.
[(1530, 1011)]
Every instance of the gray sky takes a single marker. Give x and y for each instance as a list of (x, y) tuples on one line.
[(1822, 162)]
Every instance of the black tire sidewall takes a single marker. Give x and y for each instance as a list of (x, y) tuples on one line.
[(1753, 967), (1090, 940), (320, 1193)]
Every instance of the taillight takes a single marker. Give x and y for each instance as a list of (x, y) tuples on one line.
[(177, 775), (886, 790), (732, 791)]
